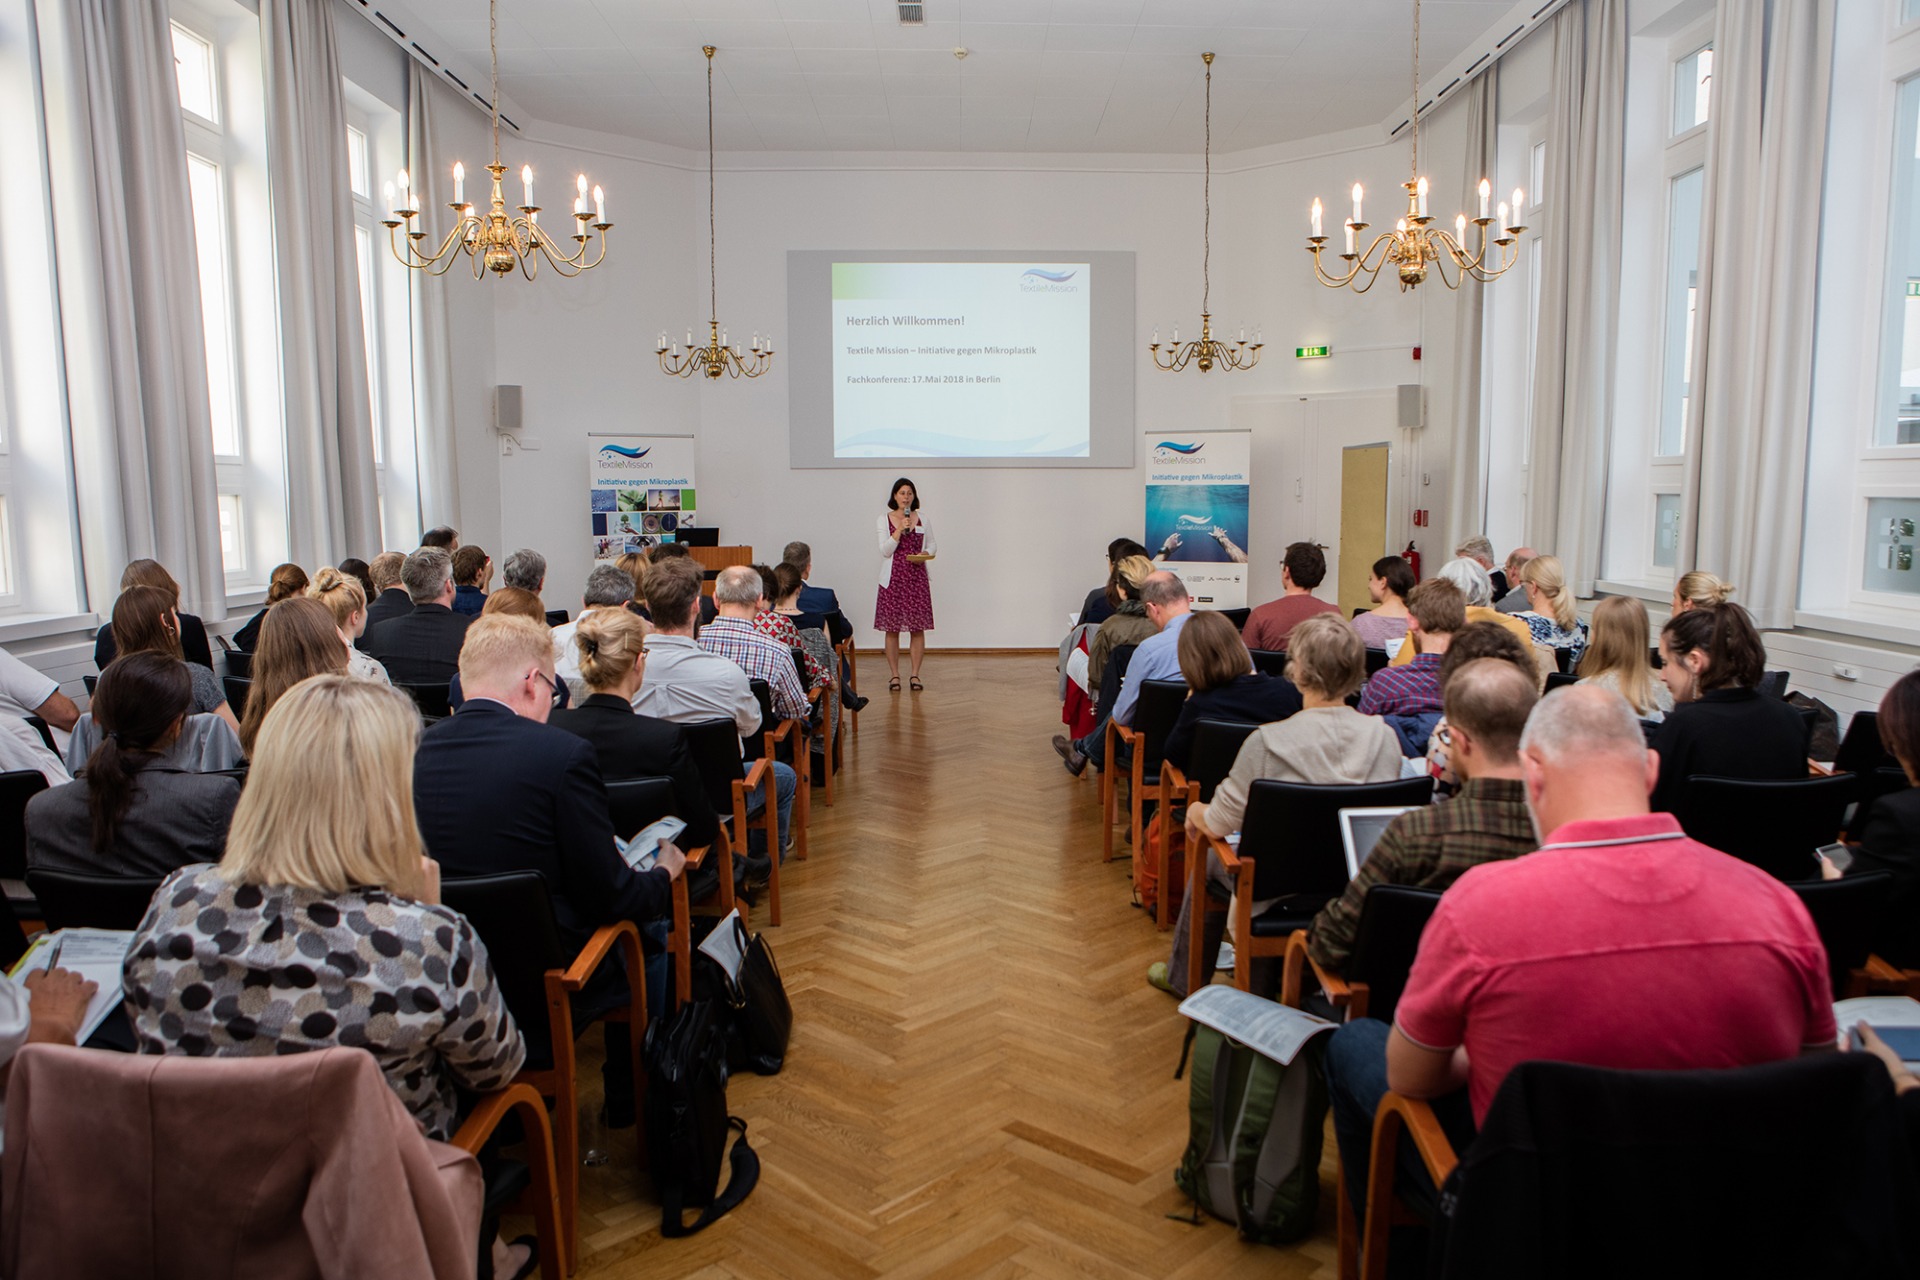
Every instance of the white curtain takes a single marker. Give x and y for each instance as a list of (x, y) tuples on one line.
[(1579, 294), (432, 347), (1747, 419), (333, 507), (136, 363), (1467, 482)]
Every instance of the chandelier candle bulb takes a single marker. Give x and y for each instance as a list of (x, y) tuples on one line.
[(1358, 221), (387, 195), (1316, 217), (1401, 226), (1460, 229), (1486, 193), (459, 183), (404, 206), (526, 183), (1519, 202), (662, 346), (1351, 235), (1502, 219), (599, 205), (1420, 198), (580, 198)]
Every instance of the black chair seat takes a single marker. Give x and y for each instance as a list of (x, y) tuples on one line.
[(1385, 941), (91, 682), (1377, 660), (1238, 617), (239, 663), (236, 689), (1216, 743), (1560, 679), (73, 900), (1847, 914), (1775, 825), (432, 699), (1282, 918), (1873, 785), (557, 617), (1271, 662)]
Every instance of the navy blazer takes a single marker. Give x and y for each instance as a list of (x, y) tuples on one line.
[(421, 647), (495, 792), (391, 603), (637, 746), (822, 601)]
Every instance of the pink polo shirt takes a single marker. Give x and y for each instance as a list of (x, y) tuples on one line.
[(1621, 943)]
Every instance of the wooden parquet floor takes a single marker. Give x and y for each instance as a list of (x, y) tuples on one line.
[(980, 1080)]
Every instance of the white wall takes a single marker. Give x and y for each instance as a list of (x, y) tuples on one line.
[(1032, 542)]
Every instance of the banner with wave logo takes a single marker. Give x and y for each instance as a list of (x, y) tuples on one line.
[(1198, 500), (640, 492)]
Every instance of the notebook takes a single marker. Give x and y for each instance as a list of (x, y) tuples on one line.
[(94, 954), (1360, 830)]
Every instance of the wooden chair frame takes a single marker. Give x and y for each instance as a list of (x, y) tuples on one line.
[(542, 1197), (1108, 783), (761, 773), (818, 697), (1341, 994), (845, 652), (1162, 794), (796, 732), (680, 934), (1398, 1117)]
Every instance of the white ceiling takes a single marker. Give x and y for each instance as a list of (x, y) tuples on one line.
[(1040, 76)]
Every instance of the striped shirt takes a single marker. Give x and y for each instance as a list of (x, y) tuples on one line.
[(1404, 691)]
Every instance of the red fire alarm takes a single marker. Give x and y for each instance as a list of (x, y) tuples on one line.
[(1416, 353)]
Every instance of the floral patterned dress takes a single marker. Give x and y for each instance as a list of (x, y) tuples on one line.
[(905, 604)]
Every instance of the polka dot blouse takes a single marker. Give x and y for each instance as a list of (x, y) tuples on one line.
[(224, 970)]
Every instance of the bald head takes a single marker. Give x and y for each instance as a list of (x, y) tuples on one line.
[(1585, 757), (1491, 699), (1165, 597), (1517, 560), (737, 591)]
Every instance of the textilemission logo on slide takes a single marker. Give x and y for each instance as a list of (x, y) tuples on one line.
[(1037, 280)]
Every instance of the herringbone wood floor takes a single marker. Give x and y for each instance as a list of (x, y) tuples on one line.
[(980, 1080)]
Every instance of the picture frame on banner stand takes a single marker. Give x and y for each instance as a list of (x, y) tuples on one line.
[(1199, 512), (641, 492)]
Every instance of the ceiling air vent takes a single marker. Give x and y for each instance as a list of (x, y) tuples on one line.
[(912, 13)]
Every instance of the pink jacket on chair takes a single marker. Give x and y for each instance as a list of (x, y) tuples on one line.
[(149, 1168)]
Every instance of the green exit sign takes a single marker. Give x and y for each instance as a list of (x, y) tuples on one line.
[(1312, 353), (1913, 288)]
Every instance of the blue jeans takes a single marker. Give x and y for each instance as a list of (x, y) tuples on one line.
[(785, 783), (1094, 747), (1356, 1081)]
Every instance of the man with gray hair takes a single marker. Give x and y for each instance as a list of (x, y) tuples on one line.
[(1479, 549), (390, 594), (1157, 658), (423, 646), (1621, 943), (525, 569), (1513, 598), (608, 587)]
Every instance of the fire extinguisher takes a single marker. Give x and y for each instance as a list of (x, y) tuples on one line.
[(1412, 557)]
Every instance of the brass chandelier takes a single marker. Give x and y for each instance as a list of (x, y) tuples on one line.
[(716, 356), (1415, 244), (495, 242), (1205, 351)]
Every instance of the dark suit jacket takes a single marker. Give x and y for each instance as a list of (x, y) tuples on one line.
[(421, 647), (822, 601), (247, 638), (1728, 733), (636, 746), (177, 818), (495, 792), (1250, 699), (193, 643), (1890, 843), (394, 602), (1499, 580)]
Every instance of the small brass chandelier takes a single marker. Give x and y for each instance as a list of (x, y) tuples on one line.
[(495, 242), (716, 357), (1415, 244), (1205, 351)]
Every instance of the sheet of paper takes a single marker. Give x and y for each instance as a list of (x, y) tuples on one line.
[(97, 955), (1077, 670), (1270, 1029), (723, 948), (1876, 1011), (642, 851), (1073, 619)]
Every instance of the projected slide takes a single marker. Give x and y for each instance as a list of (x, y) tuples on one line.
[(962, 360)]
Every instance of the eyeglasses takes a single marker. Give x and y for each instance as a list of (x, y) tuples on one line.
[(553, 686)]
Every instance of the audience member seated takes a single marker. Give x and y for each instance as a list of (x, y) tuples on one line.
[(472, 575), (526, 569), (500, 789), (26, 691), (821, 602), (389, 599), (342, 594), (635, 564), (1890, 840), (1487, 703), (287, 581), (1164, 601), (608, 587), (360, 572), (731, 635), (49, 1006), (1479, 550), (1474, 586), (1721, 726), (321, 927), (1550, 613), (1222, 684), (1408, 697), (443, 537), (1325, 742), (1617, 657), (1385, 625), (779, 627), (687, 684), (678, 551), (1630, 947), (144, 622), (1102, 602), (1126, 624), (1699, 589), (1476, 640), (422, 646), (1302, 568), (298, 640), (785, 586), (133, 811), (609, 647), (517, 601), (1515, 600), (193, 633)]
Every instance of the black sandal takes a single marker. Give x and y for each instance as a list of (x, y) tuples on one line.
[(893, 685), (913, 682)]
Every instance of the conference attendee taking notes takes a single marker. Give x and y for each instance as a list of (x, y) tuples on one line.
[(905, 602)]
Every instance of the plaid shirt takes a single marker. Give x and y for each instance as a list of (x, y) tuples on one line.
[(1429, 848), (761, 659), (1404, 691)]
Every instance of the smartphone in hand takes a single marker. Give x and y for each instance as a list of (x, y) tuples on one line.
[(1840, 855)]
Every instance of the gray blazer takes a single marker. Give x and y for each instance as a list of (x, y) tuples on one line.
[(177, 818)]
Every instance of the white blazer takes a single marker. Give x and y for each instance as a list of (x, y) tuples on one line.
[(890, 544)]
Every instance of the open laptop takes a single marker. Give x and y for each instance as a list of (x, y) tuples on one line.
[(1360, 830)]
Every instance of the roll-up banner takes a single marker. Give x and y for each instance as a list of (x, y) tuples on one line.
[(1197, 500), (640, 490)]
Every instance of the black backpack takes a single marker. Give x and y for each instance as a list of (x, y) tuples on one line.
[(687, 1121)]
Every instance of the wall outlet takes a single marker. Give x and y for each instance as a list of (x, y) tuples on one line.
[(1844, 672)]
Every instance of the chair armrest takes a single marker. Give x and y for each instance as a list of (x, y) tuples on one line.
[(755, 775), (1817, 770), (1882, 976), (1339, 991), (1229, 857), (1298, 962), (782, 733), (608, 936), (487, 1113), (1126, 733), (1172, 778), (1415, 1118)]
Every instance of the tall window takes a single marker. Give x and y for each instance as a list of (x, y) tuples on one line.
[(1684, 195), (196, 68), (1692, 85), (1899, 417)]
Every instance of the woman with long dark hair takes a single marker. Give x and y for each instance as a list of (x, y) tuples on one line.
[(905, 602), (132, 811), (144, 621), (298, 639), (1890, 841), (1721, 725)]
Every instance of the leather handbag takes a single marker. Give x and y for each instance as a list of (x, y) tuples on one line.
[(687, 1121), (760, 1014)]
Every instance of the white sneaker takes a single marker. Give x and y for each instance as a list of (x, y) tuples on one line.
[(1225, 958)]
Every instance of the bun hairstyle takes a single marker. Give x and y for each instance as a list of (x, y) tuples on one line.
[(1702, 590), (1545, 573), (608, 642), (786, 582), (1736, 659), (340, 592), (298, 638), (288, 581), (141, 697)]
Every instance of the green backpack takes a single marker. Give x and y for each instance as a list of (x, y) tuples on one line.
[(1255, 1129)]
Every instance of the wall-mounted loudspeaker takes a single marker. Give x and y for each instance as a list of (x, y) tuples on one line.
[(1412, 405), (506, 408)]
